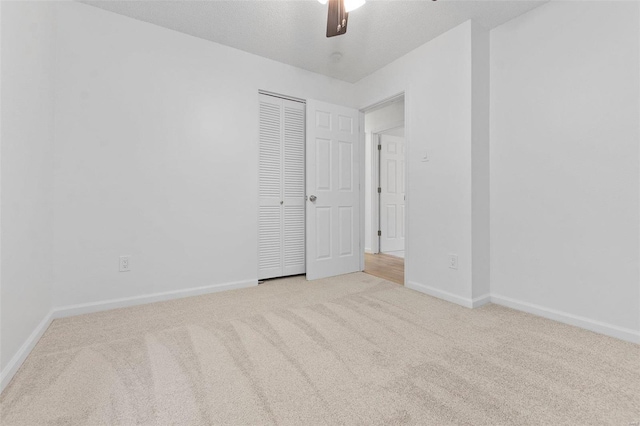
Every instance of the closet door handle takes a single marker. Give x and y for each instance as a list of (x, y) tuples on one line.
[(313, 198)]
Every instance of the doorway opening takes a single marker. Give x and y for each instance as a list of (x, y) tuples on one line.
[(385, 171)]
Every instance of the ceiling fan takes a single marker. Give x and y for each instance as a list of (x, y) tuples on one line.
[(338, 15)]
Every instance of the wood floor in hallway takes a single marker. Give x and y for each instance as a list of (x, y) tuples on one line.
[(385, 266)]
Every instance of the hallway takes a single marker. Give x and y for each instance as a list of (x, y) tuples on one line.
[(385, 266)]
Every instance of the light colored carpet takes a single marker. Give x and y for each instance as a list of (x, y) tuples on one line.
[(349, 350)]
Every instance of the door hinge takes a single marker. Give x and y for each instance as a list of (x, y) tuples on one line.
[(379, 233), (379, 147), (379, 190)]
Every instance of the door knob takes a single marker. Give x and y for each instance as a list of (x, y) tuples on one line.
[(313, 198)]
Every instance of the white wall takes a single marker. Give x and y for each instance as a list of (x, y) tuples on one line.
[(156, 156), (480, 161), (376, 120), (437, 81), (564, 163), (26, 174)]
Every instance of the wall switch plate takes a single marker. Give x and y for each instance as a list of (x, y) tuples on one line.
[(125, 263), (453, 261)]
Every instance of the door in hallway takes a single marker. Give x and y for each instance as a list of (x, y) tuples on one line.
[(392, 193)]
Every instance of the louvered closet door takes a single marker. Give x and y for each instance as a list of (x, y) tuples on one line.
[(281, 227), (293, 187), (270, 188)]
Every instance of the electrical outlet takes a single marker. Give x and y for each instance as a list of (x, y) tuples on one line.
[(453, 261), (125, 263)]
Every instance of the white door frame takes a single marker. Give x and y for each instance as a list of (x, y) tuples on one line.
[(362, 141), (375, 247)]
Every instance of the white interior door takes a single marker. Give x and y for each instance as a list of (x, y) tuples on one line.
[(270, 189), (332, 175), (391, 193), (281, 231), (293, 188)]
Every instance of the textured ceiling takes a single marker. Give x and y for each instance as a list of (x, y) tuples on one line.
[(293, 32)]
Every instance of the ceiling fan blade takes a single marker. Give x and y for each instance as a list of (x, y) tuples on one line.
[(337, 18)]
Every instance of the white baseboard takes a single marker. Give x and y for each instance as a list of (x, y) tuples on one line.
[(621, 333), (626, 334), (14, 364), (86, 308), (105, 305), (480, 300), (449, 297)]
